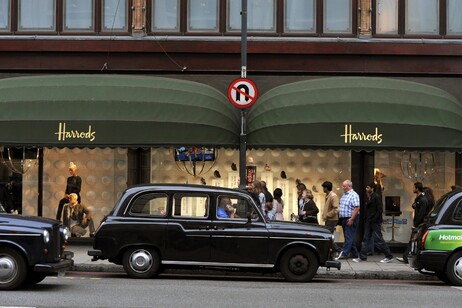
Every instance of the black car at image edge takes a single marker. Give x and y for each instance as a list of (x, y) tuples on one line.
[(153, 227), (31, 248), (436, 247)]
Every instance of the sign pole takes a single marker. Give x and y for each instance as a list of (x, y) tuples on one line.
[(242, 137)]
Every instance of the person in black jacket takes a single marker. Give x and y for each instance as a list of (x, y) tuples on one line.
[(309, 212), (372, 225), (420, 207)]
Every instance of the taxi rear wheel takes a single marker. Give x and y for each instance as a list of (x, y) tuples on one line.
[(298, 265), (141, 262), (443, 277), (454, 269), (13, 269)]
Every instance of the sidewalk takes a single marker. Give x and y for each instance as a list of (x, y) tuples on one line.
[(371, 269)]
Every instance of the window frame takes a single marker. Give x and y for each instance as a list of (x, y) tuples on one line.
[(223, 22), (457, 210), (127, 20), (298, 32), (59, 21), (250, 31), (181, 195), (9, 18), (150, 18), (155, 193), (74, 30), (442, 23), (188, 20), (56, 3), (343, 32)]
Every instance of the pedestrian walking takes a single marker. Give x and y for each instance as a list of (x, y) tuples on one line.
[(373, 225), (348, 219)]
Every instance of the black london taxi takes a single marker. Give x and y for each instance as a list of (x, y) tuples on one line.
[(436, 247), (30, 249), (153, 227)]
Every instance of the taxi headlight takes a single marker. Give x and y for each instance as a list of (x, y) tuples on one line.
[(66, 233), (46, 236)]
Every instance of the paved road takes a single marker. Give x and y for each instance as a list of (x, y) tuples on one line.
[(103, 289)]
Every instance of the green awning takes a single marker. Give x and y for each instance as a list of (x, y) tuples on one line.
[(114, 110), (356, 112)]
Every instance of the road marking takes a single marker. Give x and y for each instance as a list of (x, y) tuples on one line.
[(458, 288), (72, 278)]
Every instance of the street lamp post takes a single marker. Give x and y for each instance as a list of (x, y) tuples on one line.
[(242, 137)]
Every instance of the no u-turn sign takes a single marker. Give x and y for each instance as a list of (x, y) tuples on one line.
[(242, 93)]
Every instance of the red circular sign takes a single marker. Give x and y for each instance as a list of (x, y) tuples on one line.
[(242, 93)]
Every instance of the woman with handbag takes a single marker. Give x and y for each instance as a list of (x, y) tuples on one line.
[(310, 211)]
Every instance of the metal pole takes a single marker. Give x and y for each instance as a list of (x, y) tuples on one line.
[(244, 39), (242, 137)]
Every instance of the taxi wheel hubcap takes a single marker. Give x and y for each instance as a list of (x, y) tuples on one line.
[(298, 264), (8, 269), (141, 260), (458, 268)]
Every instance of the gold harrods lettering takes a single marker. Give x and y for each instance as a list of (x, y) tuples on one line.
[(64, 134), (351, 136)]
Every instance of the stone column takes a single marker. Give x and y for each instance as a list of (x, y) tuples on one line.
[(365, 17), (139, 18)]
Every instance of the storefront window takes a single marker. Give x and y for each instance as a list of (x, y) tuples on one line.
[(115, 15), (4, 15), (387, 17), (78, 15), (337, 16), (300, 16), (37, 15), (261, 15), (422, 16), (279, 168), (165, 15), (203, 15), (104, 178), (454, 20), (401, 169)]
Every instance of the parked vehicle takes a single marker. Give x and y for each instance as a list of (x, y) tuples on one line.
[(437, 244), (30, 249), (153, 227)]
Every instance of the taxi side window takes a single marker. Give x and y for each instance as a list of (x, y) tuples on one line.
[(151, 204), (191, 206), (232, 207), (458, 212)]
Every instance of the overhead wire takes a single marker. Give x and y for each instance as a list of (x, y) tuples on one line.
[(148, 23), (105, 65)]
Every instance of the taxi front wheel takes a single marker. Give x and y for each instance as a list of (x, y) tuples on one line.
[(298, 265), (13, 269), (454, 269), (141, 262)]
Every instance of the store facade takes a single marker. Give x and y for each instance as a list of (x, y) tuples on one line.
[(116, 128), (119, 86)]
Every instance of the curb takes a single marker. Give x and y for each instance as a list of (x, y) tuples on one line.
[(322, 273)]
